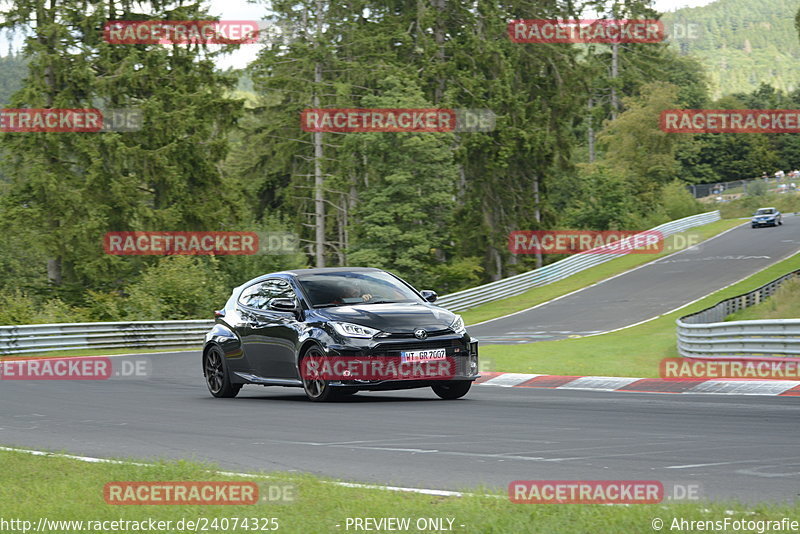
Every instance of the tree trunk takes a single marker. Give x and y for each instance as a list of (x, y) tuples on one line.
[(590, 132), (614, 76), (537, 213), (319, 200)]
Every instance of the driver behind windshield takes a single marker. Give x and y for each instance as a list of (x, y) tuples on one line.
[(349, 292)]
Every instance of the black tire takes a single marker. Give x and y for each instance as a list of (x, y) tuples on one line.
[(218, 380), (317, 390), (453, 389)]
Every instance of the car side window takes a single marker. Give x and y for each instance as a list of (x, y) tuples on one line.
[(261, 294)]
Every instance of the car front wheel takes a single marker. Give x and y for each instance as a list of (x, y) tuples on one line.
[(216, 372), (454, 389), (317, 389)]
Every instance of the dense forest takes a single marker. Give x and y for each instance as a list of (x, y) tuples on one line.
[(577, 144), (741, 43)]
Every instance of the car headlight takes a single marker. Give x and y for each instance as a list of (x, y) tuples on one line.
[(458, 325), (354, 330)]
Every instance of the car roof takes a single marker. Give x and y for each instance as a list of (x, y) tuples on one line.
[(300, 272), (320, 270)]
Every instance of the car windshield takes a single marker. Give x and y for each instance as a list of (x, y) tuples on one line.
[(347, 288), (765, 211)]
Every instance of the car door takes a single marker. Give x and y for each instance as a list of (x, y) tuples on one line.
[(269, 337)]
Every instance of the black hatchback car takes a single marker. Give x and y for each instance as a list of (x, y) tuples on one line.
[(334, 332)]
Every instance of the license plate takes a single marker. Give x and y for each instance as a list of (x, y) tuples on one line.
[(422, 355)]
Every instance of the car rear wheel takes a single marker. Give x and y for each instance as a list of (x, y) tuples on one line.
[(454, 389), (216, 372), (317, 389)]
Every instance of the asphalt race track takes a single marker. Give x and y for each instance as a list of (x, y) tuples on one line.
[(651, 290), (741, 447)]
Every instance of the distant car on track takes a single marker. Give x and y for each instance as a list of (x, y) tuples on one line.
[(766, 217), (336, 331)]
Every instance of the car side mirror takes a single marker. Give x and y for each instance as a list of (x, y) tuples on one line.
[(429, 295), (284, 305)]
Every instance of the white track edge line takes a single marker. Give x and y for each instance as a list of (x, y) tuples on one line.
[(91, 459)]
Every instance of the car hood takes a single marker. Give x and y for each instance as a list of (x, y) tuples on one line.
[(394, 318)]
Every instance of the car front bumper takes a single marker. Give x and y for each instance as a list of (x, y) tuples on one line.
[(461, 350), (769, 222)]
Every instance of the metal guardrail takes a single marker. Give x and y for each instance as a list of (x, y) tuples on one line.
[(514, 285), (706, 334), (26, 339)]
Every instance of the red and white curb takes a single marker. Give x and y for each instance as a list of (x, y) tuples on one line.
[(787, 388)]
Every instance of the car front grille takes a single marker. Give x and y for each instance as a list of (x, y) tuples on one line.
[(406, 335)]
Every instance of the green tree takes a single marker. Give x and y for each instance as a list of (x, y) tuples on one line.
[(404, 215), (73, 187)]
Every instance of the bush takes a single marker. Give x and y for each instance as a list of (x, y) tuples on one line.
[(177, 287), (456, 275), (757, 189), (678, 202), (18, 308)]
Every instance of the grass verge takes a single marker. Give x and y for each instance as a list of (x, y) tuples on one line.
[(616, 266), (61, 489), (634, 351)]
